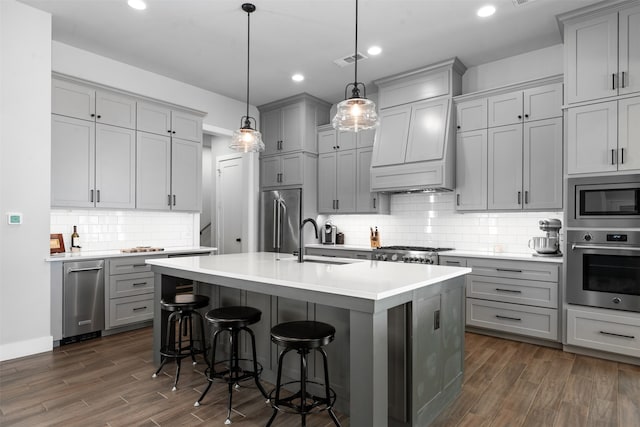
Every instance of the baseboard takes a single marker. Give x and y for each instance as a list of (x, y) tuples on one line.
[(25, 348)]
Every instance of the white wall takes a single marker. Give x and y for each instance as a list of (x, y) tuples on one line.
[(223, 112), (25, 156), (527, 66)]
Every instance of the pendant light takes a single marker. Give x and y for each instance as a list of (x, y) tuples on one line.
[(357, 112), (247, 138)]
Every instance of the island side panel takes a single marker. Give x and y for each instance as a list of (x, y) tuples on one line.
[(368, 369)]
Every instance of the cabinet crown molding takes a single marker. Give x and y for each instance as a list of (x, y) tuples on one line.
[(557, 78), (597, 9)]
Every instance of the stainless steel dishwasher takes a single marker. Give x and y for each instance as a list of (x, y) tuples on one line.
[(82, 300)]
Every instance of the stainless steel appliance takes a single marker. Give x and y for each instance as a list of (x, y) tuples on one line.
[(329, 233), (280, 215), (412, 254), (549, 244), (603, 269), (82, 300), (604, 201)]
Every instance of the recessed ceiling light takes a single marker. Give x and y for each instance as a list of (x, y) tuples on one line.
[(486, 11), (297, 77), (137, 4), (374, 50)]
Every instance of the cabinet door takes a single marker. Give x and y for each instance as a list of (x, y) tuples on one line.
[(346, 181), (543, 102), (72, 100), (72, 162), (592, 138), (629, 134), (292, 124), (153, 171), (366, 201), (115, 109), (542, 179), (186, 126), (365, 138), (629, 53), (471, 115), (271, 130), (327, 182), (505, 109), (391, 138), (471, 170), (591, 58), (270, 168), (427, 347), (186, 176), (153, 118), (426, 134), (115, 167), (505, 167), (292, 169), (327, 141), (347, 140)]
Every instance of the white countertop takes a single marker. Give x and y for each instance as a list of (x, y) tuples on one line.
[(371, 280), (341, 247), (502, 255), (88, 255)]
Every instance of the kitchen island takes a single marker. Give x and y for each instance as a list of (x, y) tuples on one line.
[(365, 292)]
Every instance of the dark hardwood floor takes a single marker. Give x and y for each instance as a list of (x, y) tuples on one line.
[(107, 382)]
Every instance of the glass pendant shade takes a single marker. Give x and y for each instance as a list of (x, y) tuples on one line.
[(247, 140), (355, 114)]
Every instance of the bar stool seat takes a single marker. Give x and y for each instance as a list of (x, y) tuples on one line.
[(182, 308), (234, 369), (303, 336)]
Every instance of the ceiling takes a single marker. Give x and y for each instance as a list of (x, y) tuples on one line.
[(203, 43)]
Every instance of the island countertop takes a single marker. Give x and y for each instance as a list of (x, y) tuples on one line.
[(367, 279)]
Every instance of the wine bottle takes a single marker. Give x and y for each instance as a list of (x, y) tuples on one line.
[(75, 238)]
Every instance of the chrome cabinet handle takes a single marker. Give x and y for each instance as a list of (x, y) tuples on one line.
[(139, 284), (508, 290), (140, 308), (174, 200), (609, 248), (78, 270), (458, 199), (613, 154), (631, 337), (622, 155), (337, 204), (138, 265), (508, 318), (622, 83), (613, 81)]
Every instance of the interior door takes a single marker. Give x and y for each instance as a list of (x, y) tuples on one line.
[(229, 205)]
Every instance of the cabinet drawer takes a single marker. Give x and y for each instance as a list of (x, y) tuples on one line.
[(452, 261), (518, 319), (546, 272), (129, 265), (529, 292), (125, 285), (598, 329), (127, 310)]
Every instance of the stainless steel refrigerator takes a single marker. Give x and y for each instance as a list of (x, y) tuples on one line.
[(280, 215)]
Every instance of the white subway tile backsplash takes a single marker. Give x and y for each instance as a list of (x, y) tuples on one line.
[(421, 219)]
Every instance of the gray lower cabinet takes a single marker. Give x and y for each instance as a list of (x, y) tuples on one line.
[(129, 292)]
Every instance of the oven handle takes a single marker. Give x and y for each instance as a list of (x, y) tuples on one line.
[(609, 248)]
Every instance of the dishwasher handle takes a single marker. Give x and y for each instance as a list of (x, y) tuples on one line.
[(78, 270)]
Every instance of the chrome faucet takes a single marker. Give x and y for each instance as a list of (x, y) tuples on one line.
[(300, 244)]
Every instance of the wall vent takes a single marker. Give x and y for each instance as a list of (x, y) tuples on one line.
[(348, 60)]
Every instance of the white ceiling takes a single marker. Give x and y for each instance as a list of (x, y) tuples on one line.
[(204, 42)]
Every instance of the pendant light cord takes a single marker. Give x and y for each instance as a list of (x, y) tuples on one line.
[(248, 58), (356, 54)]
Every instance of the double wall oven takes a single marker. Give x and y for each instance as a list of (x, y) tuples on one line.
[(603, 242)]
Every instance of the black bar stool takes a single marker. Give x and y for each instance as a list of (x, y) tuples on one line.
[(303, 336), (233, 319), (182, 307)]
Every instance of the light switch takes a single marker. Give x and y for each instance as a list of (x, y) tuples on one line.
[(14, 218)]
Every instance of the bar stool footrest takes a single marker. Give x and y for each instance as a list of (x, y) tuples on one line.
[(224, 376), (286, 405)]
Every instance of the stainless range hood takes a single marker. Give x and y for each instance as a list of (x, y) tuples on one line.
[(414, 149)]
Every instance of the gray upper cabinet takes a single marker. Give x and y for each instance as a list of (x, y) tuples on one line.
[(602, 54), (505, 167), (92, 165), (505, 109), (471, 170), (283, 171), (162, 120), (471, 115), (366, 201), (186, 175), (536, 103), (88, 103)]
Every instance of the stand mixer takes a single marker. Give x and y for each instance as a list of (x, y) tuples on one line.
[(548, 245)]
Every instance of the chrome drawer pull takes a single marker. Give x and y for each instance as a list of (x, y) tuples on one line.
[(509, 270), (139, 283), (508, 318), (140, 308), (631, 337), (508, 290)]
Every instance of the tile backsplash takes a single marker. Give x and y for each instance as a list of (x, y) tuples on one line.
[(106, 229), (422, 219)]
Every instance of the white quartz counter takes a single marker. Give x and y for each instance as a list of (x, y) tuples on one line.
[(341, 247), (89, 255), (366, 279), (502, 255)]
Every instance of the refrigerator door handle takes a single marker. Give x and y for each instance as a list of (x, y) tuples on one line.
[(279, 227), (275, 221)]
